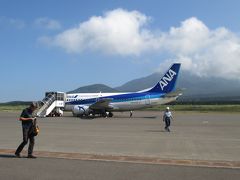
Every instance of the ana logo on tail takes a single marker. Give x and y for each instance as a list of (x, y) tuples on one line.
[(167, 78)]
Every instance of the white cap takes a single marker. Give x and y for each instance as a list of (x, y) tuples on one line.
[(167, 108)]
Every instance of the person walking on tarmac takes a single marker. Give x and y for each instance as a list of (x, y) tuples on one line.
[(167, 117), (27, 129), (131, 113)]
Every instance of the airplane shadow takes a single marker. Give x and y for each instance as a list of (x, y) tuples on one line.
[(94, 117), (100, 117), (134, 117)]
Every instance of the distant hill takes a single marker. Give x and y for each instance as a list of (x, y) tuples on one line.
[(196, 88), (16, 103), (209, 88), (140, 83), (95, 88)]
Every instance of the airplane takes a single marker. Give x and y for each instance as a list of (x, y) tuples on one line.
[(104, 104)]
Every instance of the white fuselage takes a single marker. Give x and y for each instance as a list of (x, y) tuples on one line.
[(124, 103)]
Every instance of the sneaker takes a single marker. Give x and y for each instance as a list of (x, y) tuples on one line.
[(31, 156), (17, 155)]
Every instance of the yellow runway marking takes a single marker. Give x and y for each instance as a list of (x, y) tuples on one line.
[(130, 159)]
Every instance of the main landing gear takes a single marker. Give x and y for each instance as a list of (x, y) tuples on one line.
[(107, 114)]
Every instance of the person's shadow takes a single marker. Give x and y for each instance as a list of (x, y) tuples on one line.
[(156, 131), (7, 156)]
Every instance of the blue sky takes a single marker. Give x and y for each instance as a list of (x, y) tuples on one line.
[(60, 45)]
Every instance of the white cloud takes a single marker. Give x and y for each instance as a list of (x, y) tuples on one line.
[(47, 23), (116, 32), (203, 51), (12, 22)]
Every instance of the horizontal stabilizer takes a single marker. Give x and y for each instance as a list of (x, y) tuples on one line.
[(176, 93)]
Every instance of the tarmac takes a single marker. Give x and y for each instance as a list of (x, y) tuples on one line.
[(198, 143)]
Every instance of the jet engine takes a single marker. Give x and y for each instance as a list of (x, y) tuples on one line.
[(81, 110)]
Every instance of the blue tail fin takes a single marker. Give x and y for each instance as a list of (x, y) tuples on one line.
[(168, 81)]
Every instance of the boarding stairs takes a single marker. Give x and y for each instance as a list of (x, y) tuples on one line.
[(53, 102)]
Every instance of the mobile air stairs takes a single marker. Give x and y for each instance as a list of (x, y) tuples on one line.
[(52, 104)]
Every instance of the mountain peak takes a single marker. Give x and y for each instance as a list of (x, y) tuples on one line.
[(94, 88), (211, 88)]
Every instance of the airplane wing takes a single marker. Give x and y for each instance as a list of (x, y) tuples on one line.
[(101, 104), (178, 92)]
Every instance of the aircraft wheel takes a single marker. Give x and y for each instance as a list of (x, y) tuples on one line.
[(104, 115)]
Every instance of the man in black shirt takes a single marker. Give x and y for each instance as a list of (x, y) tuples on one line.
[(27, 128)]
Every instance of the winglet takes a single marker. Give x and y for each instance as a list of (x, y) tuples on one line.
[(168, 81)]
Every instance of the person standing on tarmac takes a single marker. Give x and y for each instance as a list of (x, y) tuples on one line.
[(167, 117), (131, 113), (27, 129)]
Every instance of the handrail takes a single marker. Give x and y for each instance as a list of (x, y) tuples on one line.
[(47, 101)]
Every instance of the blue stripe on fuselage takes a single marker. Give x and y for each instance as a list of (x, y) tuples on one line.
[(118, 98)]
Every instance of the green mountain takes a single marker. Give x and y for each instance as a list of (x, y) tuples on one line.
[(196, 88), (16, 103), (95, 88)]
